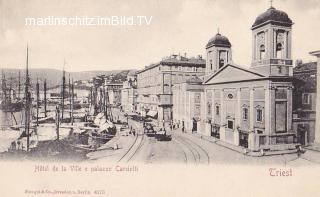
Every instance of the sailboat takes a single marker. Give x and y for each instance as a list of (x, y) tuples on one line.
[(9, 102)]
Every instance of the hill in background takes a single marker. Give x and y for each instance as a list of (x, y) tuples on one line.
[(54, 76)]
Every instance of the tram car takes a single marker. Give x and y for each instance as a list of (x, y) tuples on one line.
[(149, 130), (161, 135)]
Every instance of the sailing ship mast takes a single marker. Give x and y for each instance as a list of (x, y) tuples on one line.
[(27, 102), (19, 86), (45, 97), (70, 98), (72, 102), (38, 95), (63, 91), (4, 89)]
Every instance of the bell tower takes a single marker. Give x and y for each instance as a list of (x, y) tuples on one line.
[(272, 43), (218, 52)]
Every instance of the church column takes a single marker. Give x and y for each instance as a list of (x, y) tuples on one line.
[(252, 135), (285, 47), (237, 118), (267, 114), (289, 44), (222, 116), (213, 106), (272, 111), (274, 43), (204, 112), (289, 107), (267, 43), (254, 48), (251, 116), (267, 110)]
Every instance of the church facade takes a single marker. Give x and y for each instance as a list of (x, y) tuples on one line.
[(252, 107)]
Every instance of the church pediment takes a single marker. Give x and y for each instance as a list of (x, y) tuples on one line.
[(230, 73)]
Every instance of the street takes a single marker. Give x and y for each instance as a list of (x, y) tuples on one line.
[(185, 148)]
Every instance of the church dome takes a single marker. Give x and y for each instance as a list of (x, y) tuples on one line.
[(273, 15), (219, 40)]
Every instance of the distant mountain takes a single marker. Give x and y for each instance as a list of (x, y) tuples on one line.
[(54, 76)]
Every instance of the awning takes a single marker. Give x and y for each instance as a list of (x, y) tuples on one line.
[(132, 114), (152, 113)]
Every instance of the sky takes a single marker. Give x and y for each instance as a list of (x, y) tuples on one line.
[(180, 26)]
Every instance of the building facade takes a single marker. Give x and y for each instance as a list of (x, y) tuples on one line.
[(317, 131), (187, 98), (155, 84), (252, 107), (129, 93), (114, 93), (304, 103)]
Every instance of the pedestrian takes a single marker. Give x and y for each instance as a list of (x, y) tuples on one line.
[(13, 145), (134, 132), (183, 129)]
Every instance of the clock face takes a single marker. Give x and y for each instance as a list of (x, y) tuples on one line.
[(230, 96)]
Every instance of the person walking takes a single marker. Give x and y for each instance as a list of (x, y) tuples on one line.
[(183, 129)]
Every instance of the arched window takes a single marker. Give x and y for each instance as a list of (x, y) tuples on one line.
[(209, 109), (262, 52), (259, 115), (221, 63), (279, 51), (245, 113), (217, 110)]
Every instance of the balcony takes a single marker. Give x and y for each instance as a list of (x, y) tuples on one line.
[(285, 62)]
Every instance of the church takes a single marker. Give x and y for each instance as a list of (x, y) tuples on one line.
[(251, 107)]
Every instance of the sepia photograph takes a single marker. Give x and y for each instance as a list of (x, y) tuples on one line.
[(159, 98)]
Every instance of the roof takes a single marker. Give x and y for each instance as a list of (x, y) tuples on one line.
[(219, 40), (176, 60), (310, 66), (234, 66), (272, 15), (184, 61)]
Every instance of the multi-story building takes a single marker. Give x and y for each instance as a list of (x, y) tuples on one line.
[(155, 84), (129, 93), (304, 102), (187, 103), (114, 93), (317, 131), (252, 107)]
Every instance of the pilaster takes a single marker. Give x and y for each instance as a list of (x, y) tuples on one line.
[(289, 108)]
